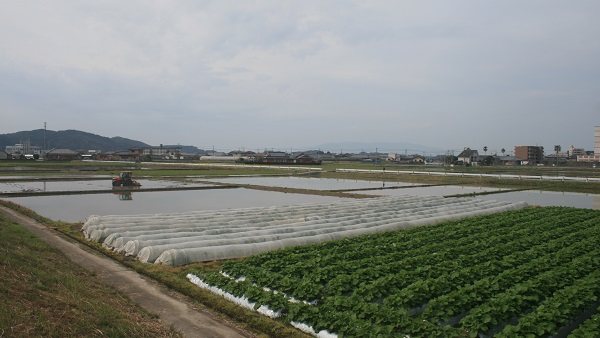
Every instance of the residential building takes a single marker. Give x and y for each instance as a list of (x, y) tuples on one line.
[(62, 155), (3, 155), (588, 158), (162, 153), (304, 159), (574, 152), (509, 160), (132, 155), (23, 149), (280, 157), (276, 157), (530, 154), (393, 157), (418, 159), (468, 156)]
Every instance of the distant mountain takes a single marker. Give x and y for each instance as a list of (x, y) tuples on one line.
[(381, 147), (70, 139)]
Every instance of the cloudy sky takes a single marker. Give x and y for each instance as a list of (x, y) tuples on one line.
[(295, 74)]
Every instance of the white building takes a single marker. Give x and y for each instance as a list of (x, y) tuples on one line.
[(163, 153), (23, 149), (597, 140), (596, 156)]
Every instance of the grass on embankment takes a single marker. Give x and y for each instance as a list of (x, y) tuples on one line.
[(174, 278), (44, 294)]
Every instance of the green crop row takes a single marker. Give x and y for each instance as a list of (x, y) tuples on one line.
[(471, 295), (558, 310), (589, 328), (473, 276), (436, 259)]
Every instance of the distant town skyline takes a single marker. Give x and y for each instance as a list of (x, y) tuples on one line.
[(298, 74), (333, 147)]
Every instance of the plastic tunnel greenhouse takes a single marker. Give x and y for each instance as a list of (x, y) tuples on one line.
[(184, 238)]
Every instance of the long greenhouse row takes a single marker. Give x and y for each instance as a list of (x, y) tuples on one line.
[(184, 238), (527, 273)]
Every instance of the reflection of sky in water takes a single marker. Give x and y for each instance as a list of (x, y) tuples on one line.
[(532, 197), (40, 186), (445, 190), (549, 198), (309, 183), (74, 208)]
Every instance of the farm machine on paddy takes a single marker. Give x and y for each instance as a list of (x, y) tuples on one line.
[(125, 180)]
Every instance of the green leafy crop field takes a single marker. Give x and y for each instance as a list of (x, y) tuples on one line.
[(533, 272)]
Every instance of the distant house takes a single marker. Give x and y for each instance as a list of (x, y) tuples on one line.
[(3, 155), (132, 154), (468, 156), (509, 160), (125, 155), (105, 156), (304, 159), (62, 155), (393, 157), (418, 159), (280, 157)]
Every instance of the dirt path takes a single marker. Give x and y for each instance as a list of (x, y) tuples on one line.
[(171, 307)]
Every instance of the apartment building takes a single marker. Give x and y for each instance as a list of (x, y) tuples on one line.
[(530, 154)]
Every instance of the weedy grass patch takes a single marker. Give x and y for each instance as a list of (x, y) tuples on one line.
[(44, 294)]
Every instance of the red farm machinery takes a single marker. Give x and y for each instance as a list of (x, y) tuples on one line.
[(125, 180)]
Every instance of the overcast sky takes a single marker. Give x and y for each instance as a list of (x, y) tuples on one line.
[(295, 74)]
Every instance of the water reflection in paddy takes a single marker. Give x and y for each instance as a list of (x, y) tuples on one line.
[(310, 183), (43, 186), (549, 198), (75, 208), (445, 190), (532, 197)]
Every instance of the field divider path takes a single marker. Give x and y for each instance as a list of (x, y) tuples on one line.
[(170, 307)]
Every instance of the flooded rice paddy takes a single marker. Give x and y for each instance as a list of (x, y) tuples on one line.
[(550, 198), (309, 183), (85, 185), (76, 208), (73, 207), (440, 190)]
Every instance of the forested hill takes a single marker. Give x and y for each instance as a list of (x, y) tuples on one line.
[(70, 139)]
